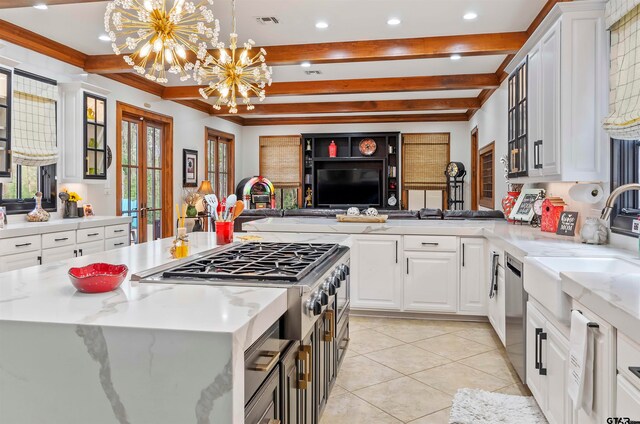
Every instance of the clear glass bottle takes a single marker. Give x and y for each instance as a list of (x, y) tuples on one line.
[(182, 243)]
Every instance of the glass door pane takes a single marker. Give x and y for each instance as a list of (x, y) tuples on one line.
[(223, 171), (130, 201), (153, 181), (211, 163)]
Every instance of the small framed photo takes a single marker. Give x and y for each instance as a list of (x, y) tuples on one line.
[(523, 210), (87, 209), (189, 168)]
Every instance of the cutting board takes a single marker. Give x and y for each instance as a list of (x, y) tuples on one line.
[(362, 218)]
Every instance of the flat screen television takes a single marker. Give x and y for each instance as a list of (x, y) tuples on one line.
[(349, 187)]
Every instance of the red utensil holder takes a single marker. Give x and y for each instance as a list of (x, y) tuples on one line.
[(224, 232)]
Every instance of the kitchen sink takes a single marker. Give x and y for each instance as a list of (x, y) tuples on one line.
[(542, 278)]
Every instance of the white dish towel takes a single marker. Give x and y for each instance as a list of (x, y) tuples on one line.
[(581, 356)]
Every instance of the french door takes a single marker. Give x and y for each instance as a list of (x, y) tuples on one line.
[(142, 176)]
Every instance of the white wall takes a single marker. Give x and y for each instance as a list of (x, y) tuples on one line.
[(460, 140), (188, 131), (491, 121)]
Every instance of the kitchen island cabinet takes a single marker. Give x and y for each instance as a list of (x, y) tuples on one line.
[(144, 353)]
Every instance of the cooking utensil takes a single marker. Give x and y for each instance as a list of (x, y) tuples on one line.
[(212, 201), (231, 202), (98, 277), (237, 209)]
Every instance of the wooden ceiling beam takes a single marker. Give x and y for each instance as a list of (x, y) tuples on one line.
[(30, 40), (358, 119), (358, 86), (363, 51), (9, 4), (358, 106)]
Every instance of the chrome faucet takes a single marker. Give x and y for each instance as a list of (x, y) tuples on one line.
[(606, 212)]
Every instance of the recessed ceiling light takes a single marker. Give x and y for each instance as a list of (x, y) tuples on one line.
[(104, 37), (40, 6), (470, 16), (455, 57), (322, 25), (306, 64), (394, 21)]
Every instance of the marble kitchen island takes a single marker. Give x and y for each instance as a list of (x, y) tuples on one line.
[(145, 353)]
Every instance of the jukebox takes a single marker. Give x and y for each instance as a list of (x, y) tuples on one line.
[(257, 193)]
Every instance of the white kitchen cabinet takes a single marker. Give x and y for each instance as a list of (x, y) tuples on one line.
[(19, 260), (89, 248), (473, 276), (431, 281), (376, 272), (72, 112), (627, 399), (547, 366), (496, 305), (549, 94), (604, 371), (567, 99), (58, 254)]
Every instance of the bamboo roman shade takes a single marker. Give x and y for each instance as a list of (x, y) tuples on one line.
[(623, 19), (280, 158), (424, 160)]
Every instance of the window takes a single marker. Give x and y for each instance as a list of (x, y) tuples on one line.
[(281, 163), (33, 144), (219, 162), (486, 160), (625, 169), (424, 160)]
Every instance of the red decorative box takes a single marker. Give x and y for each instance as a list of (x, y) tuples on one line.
[(552, 207)]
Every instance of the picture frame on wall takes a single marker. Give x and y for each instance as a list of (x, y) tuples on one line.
[(189, 168), (523, 209)]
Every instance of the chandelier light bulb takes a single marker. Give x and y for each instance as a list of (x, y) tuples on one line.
[(145, 50), (180, 51), (168, 56), (148, 5), (157, 45)]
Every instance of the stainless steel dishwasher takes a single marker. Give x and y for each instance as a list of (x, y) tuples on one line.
[(516, 315)]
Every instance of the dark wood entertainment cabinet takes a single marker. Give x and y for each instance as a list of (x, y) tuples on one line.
[(315, 149)]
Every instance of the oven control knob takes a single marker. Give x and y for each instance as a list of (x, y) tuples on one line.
[(335, 279), (329, 287), (314, 306), (344, 271), (323, 297)]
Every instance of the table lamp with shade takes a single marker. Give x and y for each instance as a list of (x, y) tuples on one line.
[(204, 189)]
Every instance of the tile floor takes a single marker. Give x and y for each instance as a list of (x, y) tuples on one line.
[(407, 370)]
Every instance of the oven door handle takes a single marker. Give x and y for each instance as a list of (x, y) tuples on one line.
[(304, 356), (275, 357), (330, 335)]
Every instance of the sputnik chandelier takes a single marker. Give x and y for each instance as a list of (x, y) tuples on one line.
[(234, 75), (160, 37)]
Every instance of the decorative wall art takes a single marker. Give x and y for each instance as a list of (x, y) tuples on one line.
[(189, 168)]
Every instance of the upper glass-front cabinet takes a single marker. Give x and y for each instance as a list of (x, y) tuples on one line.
[(95, 137), (518, 131), (5, 123)]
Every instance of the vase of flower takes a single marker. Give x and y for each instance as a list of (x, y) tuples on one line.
[(70, 201), (38, 214), (191, 198)]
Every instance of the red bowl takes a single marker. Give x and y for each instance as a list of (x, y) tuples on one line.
[(98, 278)]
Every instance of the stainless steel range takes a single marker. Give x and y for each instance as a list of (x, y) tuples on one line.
[(297, 360), (312, 273)]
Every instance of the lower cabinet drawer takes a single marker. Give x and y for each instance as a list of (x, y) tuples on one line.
[(19, 260), (59, 239), (85, 249), (59, 253), (628, 360), (431, 243), (115, 243), (627, 400), (260, 359), (265, 406), (11, 246), (342, 341), (119, 230), (90, 234)]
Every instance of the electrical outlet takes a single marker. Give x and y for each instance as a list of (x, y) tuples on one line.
[(635, 226)]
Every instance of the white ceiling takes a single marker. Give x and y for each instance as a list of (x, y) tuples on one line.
[(79, 25), (412, 112)]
